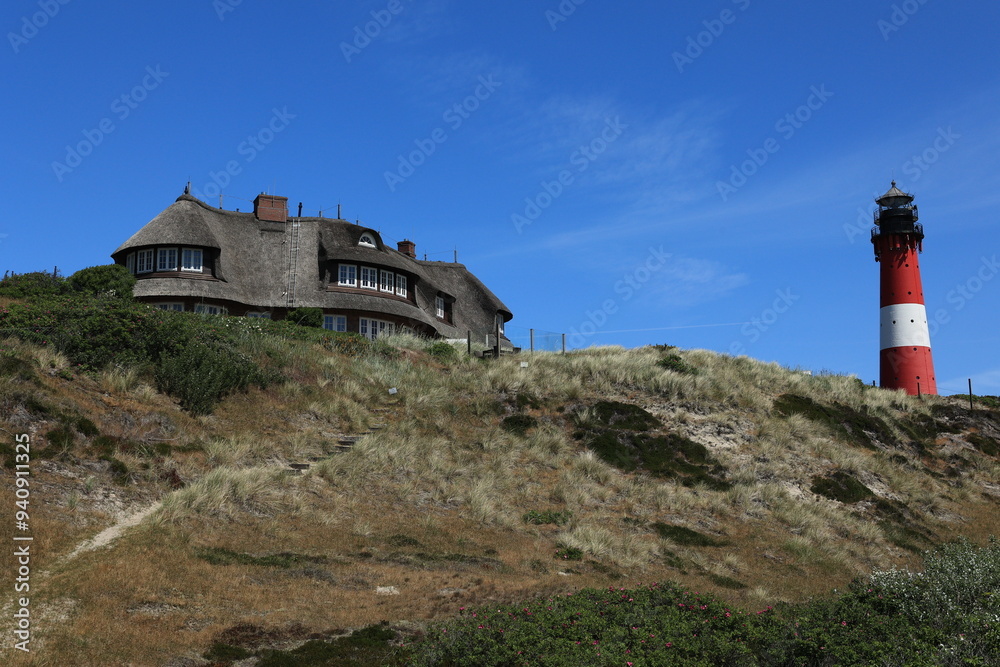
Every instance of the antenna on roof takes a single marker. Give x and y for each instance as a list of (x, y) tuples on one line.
[(187, 188), (338, 211), (456, 254)]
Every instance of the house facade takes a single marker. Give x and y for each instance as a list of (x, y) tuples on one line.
[(198, 258)]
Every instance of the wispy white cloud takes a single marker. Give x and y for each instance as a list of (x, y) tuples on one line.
[(689, 281), (986, 383)]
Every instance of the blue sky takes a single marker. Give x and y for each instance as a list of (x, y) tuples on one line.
[(700, 174)]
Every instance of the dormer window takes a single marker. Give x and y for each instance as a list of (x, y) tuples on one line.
[(144, 261), (166, 259), (367, 240), (192, 260)]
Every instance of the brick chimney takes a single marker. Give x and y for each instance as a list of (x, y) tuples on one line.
[(271, 208), (408, 248)]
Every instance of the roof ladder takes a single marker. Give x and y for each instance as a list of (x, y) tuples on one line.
[(293, 260)]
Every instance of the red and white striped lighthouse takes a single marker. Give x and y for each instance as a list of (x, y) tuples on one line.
[(905, 358)]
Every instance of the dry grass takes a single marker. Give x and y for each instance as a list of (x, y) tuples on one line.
[(434, 500)]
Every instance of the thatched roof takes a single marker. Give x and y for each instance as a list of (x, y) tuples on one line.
[(253, 267)]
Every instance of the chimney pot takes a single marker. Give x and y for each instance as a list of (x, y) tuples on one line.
[(408, 248)]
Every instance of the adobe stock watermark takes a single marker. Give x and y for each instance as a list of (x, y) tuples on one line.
[(959, 296), (562, 13), (30, 25), (580, 159), (753, 330), (630, 284), (900, 16), (121, 107), (786, 126), (22, 541), (699, 43), (915, 167), (223, 7), (248, 149), (454, 117), (365, 33)]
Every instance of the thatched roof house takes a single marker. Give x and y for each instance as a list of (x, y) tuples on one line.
[(196, 257)]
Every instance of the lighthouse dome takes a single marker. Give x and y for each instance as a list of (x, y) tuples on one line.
[(894, 198)]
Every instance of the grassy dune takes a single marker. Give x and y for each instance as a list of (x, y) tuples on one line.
[(476, 482)]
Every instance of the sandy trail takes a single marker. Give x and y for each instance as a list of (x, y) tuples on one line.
[(112, 533)]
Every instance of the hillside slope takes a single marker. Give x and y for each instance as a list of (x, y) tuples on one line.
[(472, 481)]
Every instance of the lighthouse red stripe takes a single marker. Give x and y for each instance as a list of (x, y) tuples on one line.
[(900, 273), (906, 368)]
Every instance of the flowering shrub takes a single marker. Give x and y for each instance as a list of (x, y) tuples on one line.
[(949, 614)]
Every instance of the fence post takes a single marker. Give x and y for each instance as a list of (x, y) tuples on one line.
[(468, 342), (531, 335), (496, 330), (918, 391), (971, 408), (564, 343)]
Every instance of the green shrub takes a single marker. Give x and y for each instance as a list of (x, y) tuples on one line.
[(569, 553), (33, 285), (108, 280), (673, 362), (202, 374), (945, 615), (306, 317), (443, 352), (540, 518)]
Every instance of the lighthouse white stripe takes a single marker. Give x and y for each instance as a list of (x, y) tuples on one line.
[(904, 325)]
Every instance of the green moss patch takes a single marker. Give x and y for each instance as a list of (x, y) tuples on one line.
[(841, 486), (670, 456), (674, 362), (686, 536), (852, 425), (519, 424), (624, 416), (985, 444), (222, 556)]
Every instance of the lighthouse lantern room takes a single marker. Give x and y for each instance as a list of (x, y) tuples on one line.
[(905, 343)]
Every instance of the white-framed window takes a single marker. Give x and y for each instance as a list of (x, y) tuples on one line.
[(500, 323), (335, 322), (372, 329), (192, 260), (439, 307), (166, 259), (400, 285), (144, 261), (206, 309), (348, 275), (130, 262), (263, 316), (369, 277), (386, 283), (179, 307), (367, 240)]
